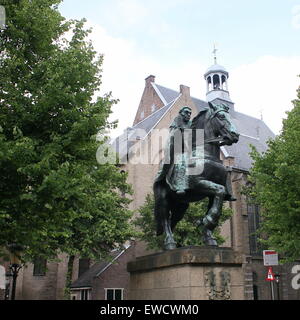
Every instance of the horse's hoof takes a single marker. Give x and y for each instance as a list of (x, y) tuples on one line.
[(208, 238), (211, 243), (209, 223), (229, 197), (170, 246)]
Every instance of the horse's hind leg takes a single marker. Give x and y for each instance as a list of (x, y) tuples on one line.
[(162, 214), (169, 240)]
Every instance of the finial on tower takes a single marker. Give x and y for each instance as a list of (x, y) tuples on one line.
[(215, 53), (261, 114)]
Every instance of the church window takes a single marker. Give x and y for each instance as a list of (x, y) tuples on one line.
[(114, 294), (253, 223), (142, 114), (39, 267), (153, 107), (84, 265)]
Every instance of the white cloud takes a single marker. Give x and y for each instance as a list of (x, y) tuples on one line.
[(296, 17), (124, 71), (266, 86), (130, 11)]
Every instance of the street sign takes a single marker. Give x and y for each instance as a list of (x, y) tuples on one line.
[(270, 258), (270, 276)]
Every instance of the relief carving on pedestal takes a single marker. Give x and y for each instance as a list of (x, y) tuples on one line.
[(218, 285)]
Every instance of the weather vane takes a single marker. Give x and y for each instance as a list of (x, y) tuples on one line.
[(215, 53)]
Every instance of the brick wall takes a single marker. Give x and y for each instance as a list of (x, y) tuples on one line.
[(149, 98), (39, 287)]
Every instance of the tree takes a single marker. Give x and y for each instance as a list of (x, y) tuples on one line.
[(54, 196), (275, 186), (186, 232)]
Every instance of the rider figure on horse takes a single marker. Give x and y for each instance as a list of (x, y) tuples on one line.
[(181, 123), (176, 135)]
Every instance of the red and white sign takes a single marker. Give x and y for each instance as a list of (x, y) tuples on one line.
[(270, 258), (270, 276)]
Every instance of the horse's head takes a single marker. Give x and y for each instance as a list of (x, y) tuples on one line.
[(221, 124)]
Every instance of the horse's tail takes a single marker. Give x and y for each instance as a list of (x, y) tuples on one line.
[(159, 189), (178, 210)]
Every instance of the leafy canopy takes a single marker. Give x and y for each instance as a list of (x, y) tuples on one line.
[(275, 186), (53, 194)]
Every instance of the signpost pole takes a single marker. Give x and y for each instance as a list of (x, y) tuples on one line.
[(272, 290), (277, 277)]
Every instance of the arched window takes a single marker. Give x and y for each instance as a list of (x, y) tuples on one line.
[(216, 82), (253, 225), (224, 83), (209, 84)]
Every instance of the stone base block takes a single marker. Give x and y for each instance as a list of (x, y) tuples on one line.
[(189, 273)]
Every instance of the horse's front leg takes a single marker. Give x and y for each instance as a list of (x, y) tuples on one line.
[(216, 194), (212, 217)]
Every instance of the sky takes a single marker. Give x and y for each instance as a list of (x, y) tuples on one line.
[(258, 42)]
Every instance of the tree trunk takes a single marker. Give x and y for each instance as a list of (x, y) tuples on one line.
[(69, 277)]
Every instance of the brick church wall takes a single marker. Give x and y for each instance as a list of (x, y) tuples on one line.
[(149, 98)]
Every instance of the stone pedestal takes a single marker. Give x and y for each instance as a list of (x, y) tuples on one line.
[(189, 273)]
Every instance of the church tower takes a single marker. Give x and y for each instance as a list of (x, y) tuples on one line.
[(216, 78)]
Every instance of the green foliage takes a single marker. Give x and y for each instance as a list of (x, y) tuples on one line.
[(275, 186), (186, 232), (53, 194)]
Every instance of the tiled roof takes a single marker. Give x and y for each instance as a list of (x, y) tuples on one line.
[(168, 94), (252, 132), (85, 280)]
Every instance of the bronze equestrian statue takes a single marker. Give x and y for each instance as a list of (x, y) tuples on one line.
[(192, 170)]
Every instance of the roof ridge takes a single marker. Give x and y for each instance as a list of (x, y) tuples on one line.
[(164, 101), (111, 262), (179, 92), (166, 87)]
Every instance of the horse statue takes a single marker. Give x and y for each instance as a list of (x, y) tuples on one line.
[(197, 175)]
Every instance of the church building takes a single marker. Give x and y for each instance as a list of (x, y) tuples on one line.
[(158, 107)]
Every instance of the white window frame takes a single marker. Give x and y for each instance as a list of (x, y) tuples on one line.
[(88, 290), (122, 292), (73, 295)]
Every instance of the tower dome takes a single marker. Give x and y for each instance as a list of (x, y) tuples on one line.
[(216, 68)]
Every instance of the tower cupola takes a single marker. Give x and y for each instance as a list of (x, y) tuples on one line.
[(216, 78)]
